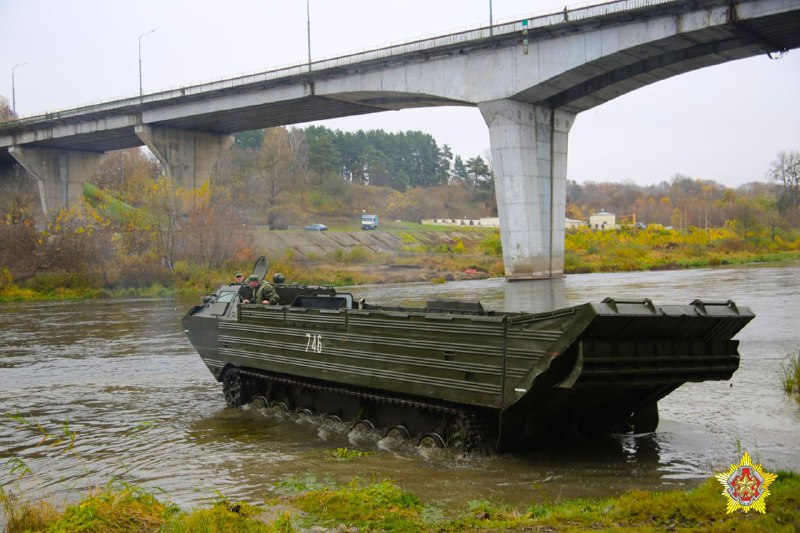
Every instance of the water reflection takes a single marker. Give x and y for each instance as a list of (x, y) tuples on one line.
[(535, 296), (146, 410)]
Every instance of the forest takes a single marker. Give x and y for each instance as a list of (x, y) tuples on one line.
[(138, 229)]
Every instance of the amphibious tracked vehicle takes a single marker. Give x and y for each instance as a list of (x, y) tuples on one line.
[(456, 374)]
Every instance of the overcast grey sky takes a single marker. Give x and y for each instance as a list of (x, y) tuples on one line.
[(725, 123)]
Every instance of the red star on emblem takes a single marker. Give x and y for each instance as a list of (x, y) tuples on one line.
[(746, 485)]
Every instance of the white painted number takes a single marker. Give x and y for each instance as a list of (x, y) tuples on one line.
[(314, 343)]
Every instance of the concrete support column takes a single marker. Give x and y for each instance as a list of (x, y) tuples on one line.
[(190, 157), (529, 160), (59, 174)]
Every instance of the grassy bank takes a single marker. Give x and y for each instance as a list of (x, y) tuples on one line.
[(299, 505), (428, 255)]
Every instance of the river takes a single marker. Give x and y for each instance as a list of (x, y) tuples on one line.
[(120, 376)]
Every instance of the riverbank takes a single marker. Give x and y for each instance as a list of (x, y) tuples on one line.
[(309, 505), (412, 253)]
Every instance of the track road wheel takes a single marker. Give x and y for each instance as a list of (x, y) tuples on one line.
[(362, 426), (430, 440), (398, 433), (645, 420), (233, 388), (278, 407)]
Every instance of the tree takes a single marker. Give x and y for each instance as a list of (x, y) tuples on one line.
[(445, 161), (375, 157), (127, 172), (80, 242), (5, 110), (748, 215), (323, 154), (162, 199), (276, 172), (477, 170), (786, 171), (19, 240), (460, 170), (212, 232), (373, 168), (249, 139)]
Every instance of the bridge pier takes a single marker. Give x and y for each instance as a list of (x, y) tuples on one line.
[(529, 160), (59, 174), (190, 157)]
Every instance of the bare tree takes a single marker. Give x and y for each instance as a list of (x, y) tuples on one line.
[(213, 232), (19, 240), (5, 110), (126, 171), (80, 243), (786, 171), (162, 208), (277, 171)]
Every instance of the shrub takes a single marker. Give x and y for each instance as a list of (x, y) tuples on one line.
[(52, 282), (356, 255), (492, 245), (791, 375)]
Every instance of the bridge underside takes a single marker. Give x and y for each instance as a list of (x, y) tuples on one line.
[(597, 81)]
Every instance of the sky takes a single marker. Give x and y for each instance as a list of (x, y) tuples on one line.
[(725, 123)]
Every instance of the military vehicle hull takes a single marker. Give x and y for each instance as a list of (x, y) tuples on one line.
[(453, 374)]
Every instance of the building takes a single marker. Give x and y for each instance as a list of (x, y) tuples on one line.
[(603, 221), (571, 223)]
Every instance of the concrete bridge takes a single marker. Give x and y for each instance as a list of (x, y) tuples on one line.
[(529, 78)]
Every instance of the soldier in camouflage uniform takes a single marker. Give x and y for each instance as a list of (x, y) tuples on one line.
[(267, 295), (255, 293)]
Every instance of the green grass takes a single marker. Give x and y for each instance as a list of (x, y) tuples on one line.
[(381, 506), (346, 454), (790, 377), (299, 504)]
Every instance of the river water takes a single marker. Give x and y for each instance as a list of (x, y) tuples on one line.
[(121, 377)]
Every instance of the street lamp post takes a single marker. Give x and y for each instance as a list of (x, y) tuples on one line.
[(13, 87), (491, 22), (140, 63), (308, 30)]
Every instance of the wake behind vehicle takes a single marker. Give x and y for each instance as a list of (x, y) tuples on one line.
[(455, 374)]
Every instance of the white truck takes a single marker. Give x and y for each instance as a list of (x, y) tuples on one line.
[(369, 221)]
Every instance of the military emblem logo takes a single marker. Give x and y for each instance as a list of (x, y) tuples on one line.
[(746, 486)]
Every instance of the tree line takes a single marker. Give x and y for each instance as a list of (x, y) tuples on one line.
[(685, 202), (397, 160)]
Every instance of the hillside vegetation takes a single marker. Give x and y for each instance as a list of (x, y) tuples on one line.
[(140, 233)]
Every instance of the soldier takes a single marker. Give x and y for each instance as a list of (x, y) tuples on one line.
[(249, 292), (253, 292), (237, 279), (267, 294)]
